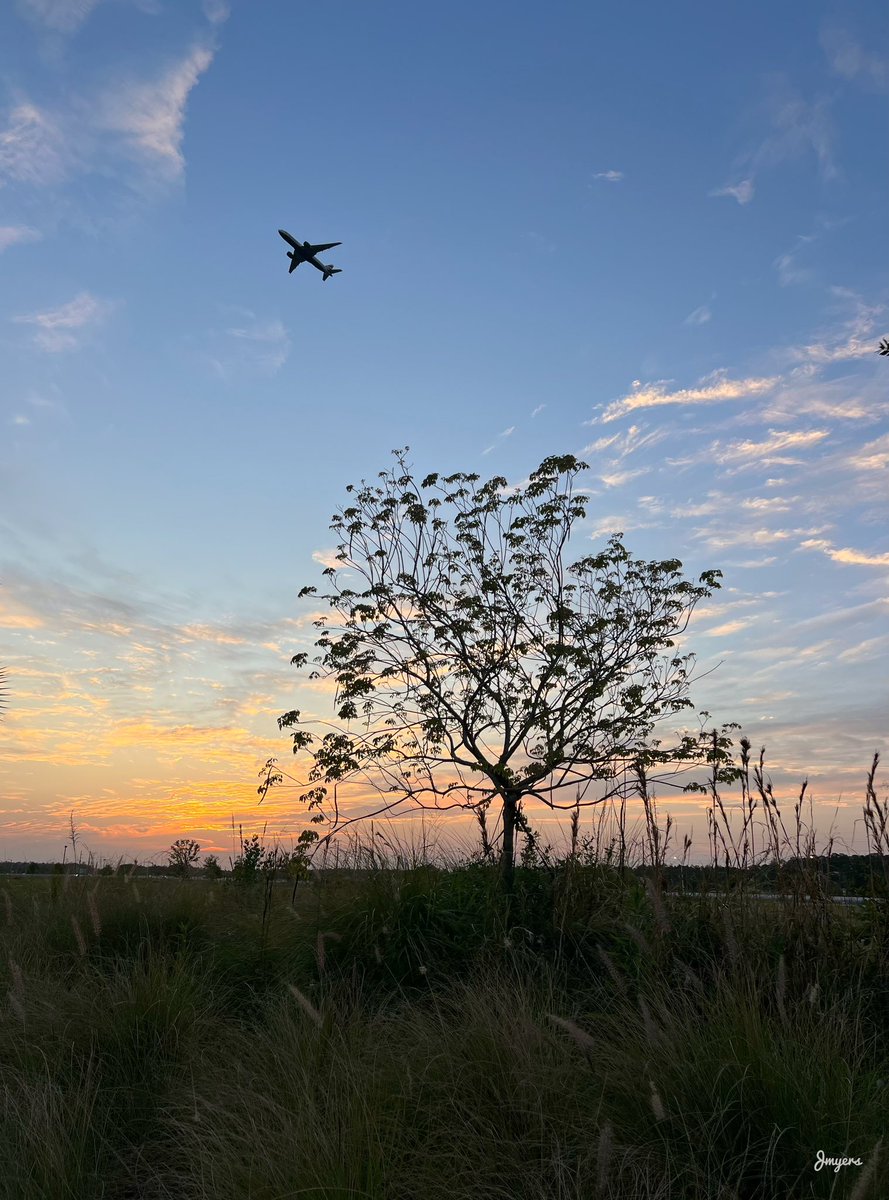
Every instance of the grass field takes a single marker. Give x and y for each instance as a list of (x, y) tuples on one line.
[(391, 1034)]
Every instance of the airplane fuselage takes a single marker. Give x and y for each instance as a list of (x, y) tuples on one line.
[(306, 252)]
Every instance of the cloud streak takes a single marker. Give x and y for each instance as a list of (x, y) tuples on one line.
[(14, 235), (717, 392), (150, 117), (62, 16), (63, 328), (32, 148)]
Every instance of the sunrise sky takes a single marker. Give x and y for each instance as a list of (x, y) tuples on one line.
[(652, 236)]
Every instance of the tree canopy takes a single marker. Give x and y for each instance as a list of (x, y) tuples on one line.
[(482, 665)]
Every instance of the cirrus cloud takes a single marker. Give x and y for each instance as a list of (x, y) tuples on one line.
[(655, 395), (62, 328)]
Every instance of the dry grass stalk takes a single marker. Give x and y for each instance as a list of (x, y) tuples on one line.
[(730, 940), (657, 1105), (639, 938), (693, 980), (580, 1036), (18, 979), (78, 933), (862, 1184), (319, 947), (306, 1005), (16, 1005), (651, 1030), (781, 986), (95, 920), (611, 968), (17, 992), (657, 902), (603, 1154)]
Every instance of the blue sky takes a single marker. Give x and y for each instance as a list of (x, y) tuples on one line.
[(653, 238)]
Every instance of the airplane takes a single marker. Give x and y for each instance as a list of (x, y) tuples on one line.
[(884, 346), (305, 252)]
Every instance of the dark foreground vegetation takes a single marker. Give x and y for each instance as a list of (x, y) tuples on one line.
[(389, 1032)]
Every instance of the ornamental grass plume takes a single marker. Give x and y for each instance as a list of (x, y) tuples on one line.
[(78, 933), (580, 1036), (862, 1184), (306, 1005)]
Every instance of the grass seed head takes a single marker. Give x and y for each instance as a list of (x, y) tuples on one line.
[(580, 1036), (657, 1105), (78, 933), (306, 1005)]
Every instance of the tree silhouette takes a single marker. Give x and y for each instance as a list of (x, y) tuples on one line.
[(182, 854), (484, 667)]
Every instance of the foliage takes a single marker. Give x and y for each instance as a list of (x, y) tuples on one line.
[(257, 861), (212, 868), (183, 853), (483, 665)]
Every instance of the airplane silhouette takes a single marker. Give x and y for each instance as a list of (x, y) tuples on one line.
[(884, 346), (305, 252)]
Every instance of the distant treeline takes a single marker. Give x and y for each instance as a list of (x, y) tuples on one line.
[(83, 868), (838, 874)]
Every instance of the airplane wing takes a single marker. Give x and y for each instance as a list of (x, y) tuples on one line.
[(324, 246), (287, 238)]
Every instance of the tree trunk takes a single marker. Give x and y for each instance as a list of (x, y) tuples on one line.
[(507, 856)]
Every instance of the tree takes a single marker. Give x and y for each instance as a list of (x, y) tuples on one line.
[(484, 667), (212, 868), (183, 853)]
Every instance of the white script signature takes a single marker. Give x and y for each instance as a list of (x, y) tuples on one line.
[(836, 1163)]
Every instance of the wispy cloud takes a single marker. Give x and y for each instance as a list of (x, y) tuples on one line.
[(266, 344), (63, 328), (789, 271), (63, 16), (13, 235), (217, 11), (872, 456), (716, 392), (32, 147), (846, 554), (619, 478), (538, 409), (743, 192), (500, 436), (621, 445), (797, 127), (609, 176), (849, 60), (854, 338), (150, 117), (249, 343), (777, 443), (700, 316)]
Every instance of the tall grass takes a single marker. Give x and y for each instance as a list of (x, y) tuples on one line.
[(390, 1030)]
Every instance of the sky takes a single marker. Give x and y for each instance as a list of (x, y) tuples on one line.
[(653, 237)]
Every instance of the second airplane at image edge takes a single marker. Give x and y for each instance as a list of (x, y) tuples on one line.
[(306, 252)]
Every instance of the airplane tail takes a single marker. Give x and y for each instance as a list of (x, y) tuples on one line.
[(294, 262), (328, 271)]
